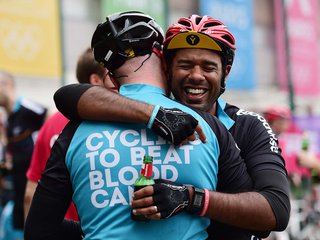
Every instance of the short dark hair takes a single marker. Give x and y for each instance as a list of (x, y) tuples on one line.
[(87, 65)]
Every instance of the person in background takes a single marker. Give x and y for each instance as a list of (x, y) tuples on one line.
[(197, 78), (310, 160), (25, 117), (87, 71), (279, 118), (281, 121), (300, 161), (5, 189), (3, 142), (96, 163)]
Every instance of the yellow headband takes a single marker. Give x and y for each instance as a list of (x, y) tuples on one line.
[(193, 40)]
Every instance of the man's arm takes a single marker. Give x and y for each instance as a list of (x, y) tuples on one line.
[(235, 203), (239, 209), (45, 220), (85, 101), (222, 206), (267, 207)]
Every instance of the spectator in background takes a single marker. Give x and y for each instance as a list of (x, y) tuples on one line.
[(280, 121), (4, 186), (309, 160), (3, 140), (87, 71), (299, 161), (25, 118), (279, 118)]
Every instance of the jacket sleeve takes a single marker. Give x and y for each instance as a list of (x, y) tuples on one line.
[(53, 196), (66, 99), (266, 167)]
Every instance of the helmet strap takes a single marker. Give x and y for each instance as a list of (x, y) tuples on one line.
[(114, 81), (157, 49)]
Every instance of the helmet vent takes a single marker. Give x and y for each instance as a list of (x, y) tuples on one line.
[(228, 39), (198, 20), (185, 23), (211, 24)]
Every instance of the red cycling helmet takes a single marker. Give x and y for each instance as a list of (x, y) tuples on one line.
[(201, 32), (278, 112)]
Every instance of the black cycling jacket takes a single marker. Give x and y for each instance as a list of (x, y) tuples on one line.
[(259, 148)]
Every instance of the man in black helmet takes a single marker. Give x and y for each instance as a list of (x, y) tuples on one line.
[(186, 47), (96, 163)]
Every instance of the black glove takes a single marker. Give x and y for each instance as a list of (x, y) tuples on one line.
[(170, 198), (173, 124)]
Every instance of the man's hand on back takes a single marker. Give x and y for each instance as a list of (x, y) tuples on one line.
[(175, 125)]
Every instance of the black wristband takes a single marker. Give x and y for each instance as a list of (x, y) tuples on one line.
[(197, 201)]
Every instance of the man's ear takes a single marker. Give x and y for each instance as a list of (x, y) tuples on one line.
[(226, 74), (224, 80), (94, 79), (228, 69)]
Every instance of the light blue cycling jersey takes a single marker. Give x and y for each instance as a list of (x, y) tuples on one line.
[(104, 160)]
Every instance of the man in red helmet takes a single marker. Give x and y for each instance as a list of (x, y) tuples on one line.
[(199, 52)]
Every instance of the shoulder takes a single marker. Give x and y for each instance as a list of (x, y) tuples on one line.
[(246, 118), (33, 106), (239, 113), (69, 130), (216, 126)]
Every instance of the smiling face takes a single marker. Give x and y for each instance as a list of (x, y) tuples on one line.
[(196, 76)]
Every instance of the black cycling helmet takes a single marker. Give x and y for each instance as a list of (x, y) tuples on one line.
[(125, 35)]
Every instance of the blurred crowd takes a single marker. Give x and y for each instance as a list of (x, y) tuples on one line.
[(303, 166), (27, 132)]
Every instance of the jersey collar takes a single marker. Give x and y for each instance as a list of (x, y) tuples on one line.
[(133, 89), (222, 115)]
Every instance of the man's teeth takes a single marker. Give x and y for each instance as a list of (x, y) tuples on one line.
[(195, 91)]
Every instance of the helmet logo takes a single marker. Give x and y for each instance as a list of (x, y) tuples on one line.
[(192, 39), (129, 52)]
